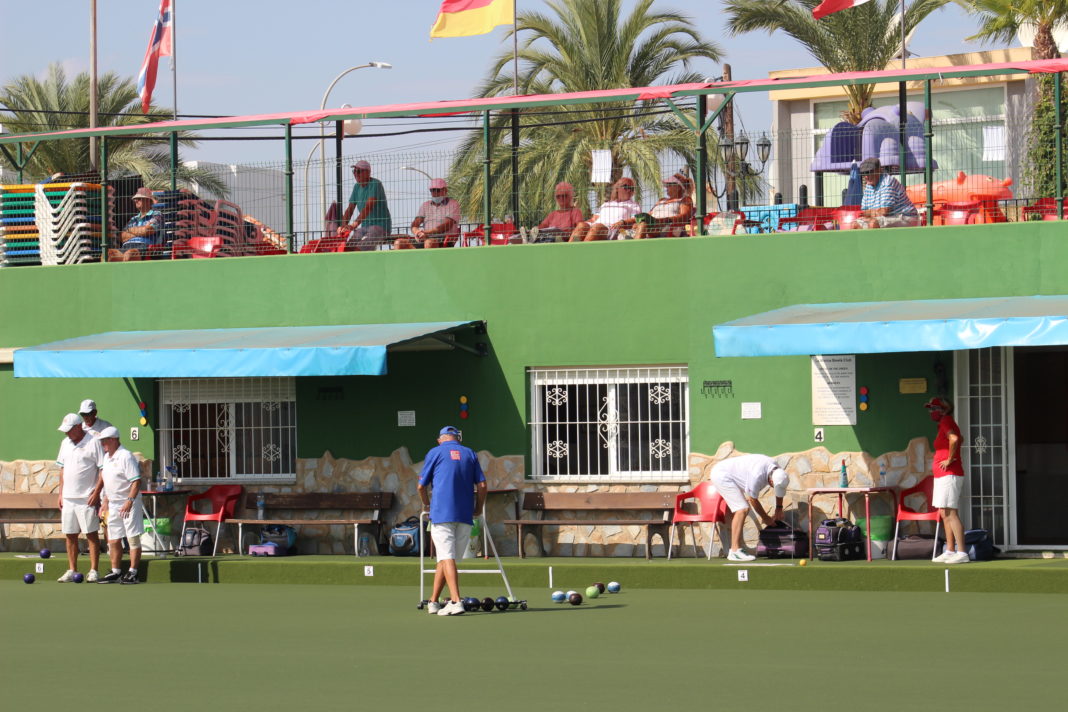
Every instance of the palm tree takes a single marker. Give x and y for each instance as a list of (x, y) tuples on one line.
[(55, 104), (861, 39), (584, 45)]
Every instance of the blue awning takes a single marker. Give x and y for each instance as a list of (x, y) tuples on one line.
[(887, 327), (353, 350)]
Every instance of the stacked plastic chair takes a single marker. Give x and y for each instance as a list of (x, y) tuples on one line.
[(19, 238), (68, 221)]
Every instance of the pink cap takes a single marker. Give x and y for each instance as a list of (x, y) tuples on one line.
[(438, 183), (143, 193)]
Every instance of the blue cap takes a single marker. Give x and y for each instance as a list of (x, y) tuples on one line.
[(449, 430)]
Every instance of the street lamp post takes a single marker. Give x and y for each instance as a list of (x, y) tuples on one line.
[(322, 129)]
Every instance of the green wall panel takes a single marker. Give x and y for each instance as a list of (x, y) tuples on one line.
[(650, 302)]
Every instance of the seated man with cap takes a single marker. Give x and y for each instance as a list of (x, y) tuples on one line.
[(143, 230), (437, 224), (884, 203), (373, 221), (740, 481)]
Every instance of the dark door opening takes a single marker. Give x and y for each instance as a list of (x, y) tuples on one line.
[(1041, 410)]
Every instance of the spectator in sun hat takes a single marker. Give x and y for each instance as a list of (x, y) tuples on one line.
[(80, 459), (142, 231), (373, 221), (90, 422), (126, 515), (884, 203), (437, 224), (740, 481), (559, 223), (453, 490), (671, 215), (948, 480), (615, 214)]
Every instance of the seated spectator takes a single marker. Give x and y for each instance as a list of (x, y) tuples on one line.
[(560, 223), (143, 230), (615, 214), (368, 200), (885, 203), (437, 224), (671, 215)]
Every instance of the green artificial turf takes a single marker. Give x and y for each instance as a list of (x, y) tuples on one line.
[(312, 647)]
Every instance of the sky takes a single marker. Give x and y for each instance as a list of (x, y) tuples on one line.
[(237, 57)]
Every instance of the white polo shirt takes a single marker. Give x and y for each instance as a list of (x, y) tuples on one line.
[(97, 427), (81, 465), (120, 472), (749, 473)]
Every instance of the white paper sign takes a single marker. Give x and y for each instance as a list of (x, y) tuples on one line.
[(751, 411), (834, 385), (405, 418), (602, 166)]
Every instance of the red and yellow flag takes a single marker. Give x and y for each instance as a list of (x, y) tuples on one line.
[(461, 18)]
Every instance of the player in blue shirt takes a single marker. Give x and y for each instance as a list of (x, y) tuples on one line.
[(458, 488)]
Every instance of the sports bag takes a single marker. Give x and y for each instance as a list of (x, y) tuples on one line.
[(979, 545), (196, 541), (838, 540), (916, 546), (282, 536), (404, 538), (780, 541)]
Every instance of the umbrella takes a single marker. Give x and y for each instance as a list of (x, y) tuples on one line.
[(854, 189)]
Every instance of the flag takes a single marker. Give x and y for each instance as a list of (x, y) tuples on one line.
[(160, 44), (828, 6), (460, 18)]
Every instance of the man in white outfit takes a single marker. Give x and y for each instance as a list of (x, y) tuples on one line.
[(126, 514), (739, 481), (81, 458)]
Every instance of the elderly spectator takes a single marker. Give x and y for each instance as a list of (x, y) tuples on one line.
[(559, 223), (143, 230), (373, 221), (615, 214), (884, 203), (671, 215), (438, 222)]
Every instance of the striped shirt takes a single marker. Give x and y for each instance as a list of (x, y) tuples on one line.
[(887, 193), (152, 219)]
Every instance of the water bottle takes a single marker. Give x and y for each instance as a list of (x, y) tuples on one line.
[(882, 474), (843, 479), (172, 475), (260, 504), (365, 545)]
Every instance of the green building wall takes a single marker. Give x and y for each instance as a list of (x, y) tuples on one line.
[(650, 302)]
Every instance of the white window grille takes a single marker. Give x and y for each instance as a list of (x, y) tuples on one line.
[(214, 429), (626, 424)]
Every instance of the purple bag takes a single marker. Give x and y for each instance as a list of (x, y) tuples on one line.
[(782, 542)]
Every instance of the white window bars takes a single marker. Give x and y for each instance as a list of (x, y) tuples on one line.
[(622, 424)]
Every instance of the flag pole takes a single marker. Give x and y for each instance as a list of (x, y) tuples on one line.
[(515, 47), (904, 51), (174, 55)]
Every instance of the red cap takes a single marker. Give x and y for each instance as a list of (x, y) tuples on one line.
[(939, 403)]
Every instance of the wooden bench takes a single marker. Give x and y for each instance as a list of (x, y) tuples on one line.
[(662, 503), (373, 502), (35, 508)]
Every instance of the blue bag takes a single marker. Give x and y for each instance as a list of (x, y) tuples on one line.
[(979, 545), (404, 538)]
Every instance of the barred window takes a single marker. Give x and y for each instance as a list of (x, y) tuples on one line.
[(214, 429), (610, 424)]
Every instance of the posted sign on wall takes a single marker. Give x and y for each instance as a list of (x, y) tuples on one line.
[(834, 387)]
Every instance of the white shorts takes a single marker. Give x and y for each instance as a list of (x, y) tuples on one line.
[(730, 493), (946, 493), (77, 517), (133, 524), (450, 539)]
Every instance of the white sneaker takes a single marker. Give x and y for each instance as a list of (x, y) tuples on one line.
[(452, 608), (740, 555), (941, 558), (93, 576), (67, 577), (433, 607), (959, 557)]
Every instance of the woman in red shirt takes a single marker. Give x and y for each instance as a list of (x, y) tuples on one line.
[(949, 480)]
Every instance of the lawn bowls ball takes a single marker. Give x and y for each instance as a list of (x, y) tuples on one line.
[(78, 577), (613, 587), (592, 592), (575, 599), (570, 591), (29, 578), (559, 596), (487, 604), (46, 554), (803, 562), (600, 587), (501, 603)]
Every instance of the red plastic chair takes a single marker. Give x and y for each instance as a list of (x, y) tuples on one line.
[(1046, 207), (846, 216), (711, 508), (224, 499), (199, 247), (811, 218), (907, 514), (958, 213)]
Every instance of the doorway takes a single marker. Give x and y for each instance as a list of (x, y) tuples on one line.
[(1040, 375)]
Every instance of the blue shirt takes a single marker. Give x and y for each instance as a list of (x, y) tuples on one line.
[(453, 471), (887, 193), (379, 214), (152, 218)]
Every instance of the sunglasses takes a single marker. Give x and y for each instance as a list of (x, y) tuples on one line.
[(627, 187), (563, 195), (437, 190)]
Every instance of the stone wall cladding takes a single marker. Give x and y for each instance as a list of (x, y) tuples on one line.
[(397, 473)]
